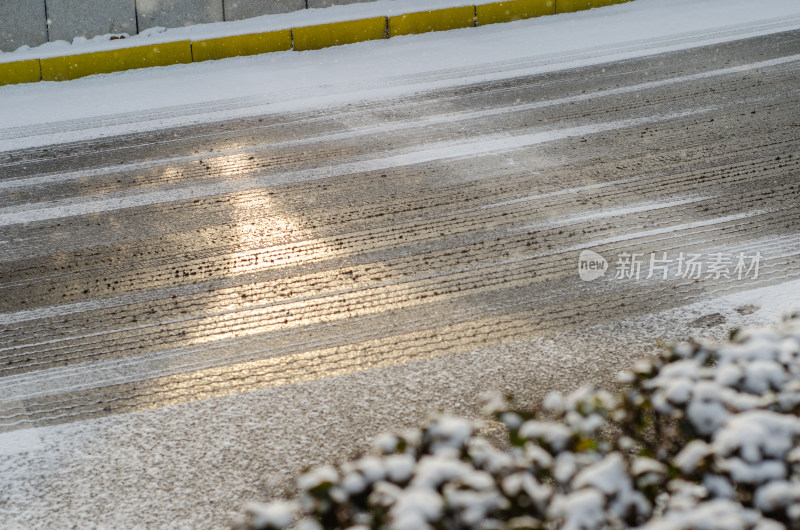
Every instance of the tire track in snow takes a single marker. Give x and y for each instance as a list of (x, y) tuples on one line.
[(370, 271)]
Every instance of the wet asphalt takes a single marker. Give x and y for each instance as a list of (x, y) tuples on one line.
[(427, 237)]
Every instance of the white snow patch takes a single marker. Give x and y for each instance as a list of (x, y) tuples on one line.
[(21, 441)]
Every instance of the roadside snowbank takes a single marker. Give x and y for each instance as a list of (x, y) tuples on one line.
[(151, 99), (262, 24)]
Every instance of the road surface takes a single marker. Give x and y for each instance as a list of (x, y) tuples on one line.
[(189, 317)]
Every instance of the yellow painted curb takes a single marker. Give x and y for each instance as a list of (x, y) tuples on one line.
[(20, 72), (223, 47), (337, 33), (437, 20), (75, 66), (570, 6), (514, 10)]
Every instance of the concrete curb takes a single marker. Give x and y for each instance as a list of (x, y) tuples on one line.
[(299, 39)]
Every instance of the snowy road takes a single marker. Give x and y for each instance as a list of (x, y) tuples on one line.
[(257, 291)]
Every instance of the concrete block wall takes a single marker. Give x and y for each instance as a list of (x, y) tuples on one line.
[(328, 3), (68, 19), (22, 22), (177, 13), (239, 9), (34, 22)]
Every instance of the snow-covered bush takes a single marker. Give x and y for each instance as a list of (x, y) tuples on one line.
[(703, 437)]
